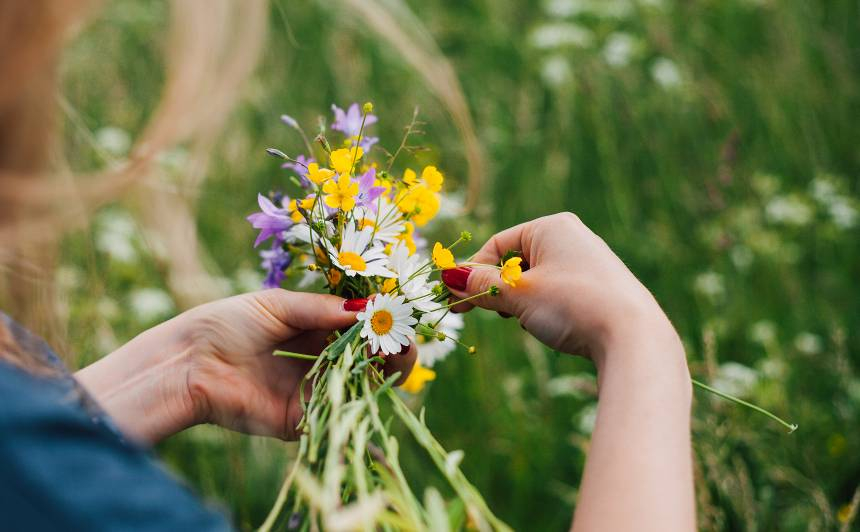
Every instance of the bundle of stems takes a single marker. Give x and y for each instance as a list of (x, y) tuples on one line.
[(347, 473)]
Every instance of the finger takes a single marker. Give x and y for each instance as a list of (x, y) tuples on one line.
[(304, 311), (402, 362), (516, 238), (480, 280)]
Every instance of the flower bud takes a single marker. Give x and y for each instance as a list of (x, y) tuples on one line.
[(274, 152), (472, 349), (465, 236), (368, 107), (494, 290)]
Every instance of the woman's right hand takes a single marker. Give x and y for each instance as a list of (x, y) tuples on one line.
[(577, 296)]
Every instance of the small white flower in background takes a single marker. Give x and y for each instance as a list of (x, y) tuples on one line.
[(570, 385), (763, 332), (113, 140), (431, 351), (773, 368), (736, 379), (561, 34), (710, 285), (556, 72), (619, 49), (666, 73), (808, 343), (844, 213), (388, 323), (149, 304), (115, 235), (742, 257), (565, 8), (788, 210), (824, 189), (587, 418)]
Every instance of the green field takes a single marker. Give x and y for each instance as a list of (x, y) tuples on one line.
[(714, 144)]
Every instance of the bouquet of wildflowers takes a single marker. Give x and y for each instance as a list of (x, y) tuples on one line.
[(355, 225)]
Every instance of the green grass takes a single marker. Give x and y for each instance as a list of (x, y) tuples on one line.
[(688, 183)]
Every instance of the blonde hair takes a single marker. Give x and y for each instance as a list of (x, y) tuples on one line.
[(213, 47)]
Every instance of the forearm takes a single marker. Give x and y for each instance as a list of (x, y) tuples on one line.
[(143, 386), (638, 475)]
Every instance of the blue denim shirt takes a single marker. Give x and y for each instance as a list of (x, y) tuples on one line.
[(65, 466)]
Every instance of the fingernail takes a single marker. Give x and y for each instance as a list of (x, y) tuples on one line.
[(355, 305), (457, 278), (505, 315)]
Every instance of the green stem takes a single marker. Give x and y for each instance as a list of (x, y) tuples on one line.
[(790, 426), (290, 354)]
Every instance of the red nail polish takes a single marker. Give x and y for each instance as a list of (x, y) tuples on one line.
[(457, 278), (355, 305)]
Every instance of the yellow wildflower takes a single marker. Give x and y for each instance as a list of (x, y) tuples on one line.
[(442, 257), (389, 285), (410, 177), (306, 204), (319, 175), (419, 201), (419, 377), (340, 194), (295, 215), (342, 160), (433, 178), (512, 271)]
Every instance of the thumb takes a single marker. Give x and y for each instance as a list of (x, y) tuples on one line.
[(304, 311), (467, 282)]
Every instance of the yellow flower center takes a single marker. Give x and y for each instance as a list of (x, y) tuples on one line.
[(352, 261), (381, 322), (365, 222)]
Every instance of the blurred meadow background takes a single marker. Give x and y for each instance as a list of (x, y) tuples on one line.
[(715, 145)]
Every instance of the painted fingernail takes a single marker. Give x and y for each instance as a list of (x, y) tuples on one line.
[(355, 305), (457, 278)]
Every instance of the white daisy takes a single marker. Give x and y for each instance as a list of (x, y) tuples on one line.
[(416, 287), (431, 350), (357, 255), (388, 323)]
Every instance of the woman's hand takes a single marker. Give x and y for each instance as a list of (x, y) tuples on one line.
[(577, 295), (214, 364)]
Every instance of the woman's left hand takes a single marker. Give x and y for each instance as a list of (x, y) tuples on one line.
[(214, 364)]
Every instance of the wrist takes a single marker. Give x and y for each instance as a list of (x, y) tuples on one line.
[(143, 387), (645, 355)]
